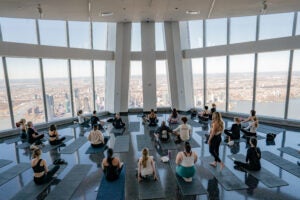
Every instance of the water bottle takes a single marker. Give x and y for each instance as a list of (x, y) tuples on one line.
[(169, 154)]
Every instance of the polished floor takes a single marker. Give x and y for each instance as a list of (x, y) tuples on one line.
[(86, 190)]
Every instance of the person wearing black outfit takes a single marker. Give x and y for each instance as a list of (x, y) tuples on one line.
[(54, 137), (96, 120), (204, 115), (163, 132), (111, 166), (252, 158), (212, 110), (234, 132), (33, 136), (152, 118), (118, 122)]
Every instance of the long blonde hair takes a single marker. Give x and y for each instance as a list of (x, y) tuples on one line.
[(145, 157), (217, 118), (255, 121), (36, 153)]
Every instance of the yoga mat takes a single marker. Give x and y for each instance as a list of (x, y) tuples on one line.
[(193, 123), (193, 143), (266, 177), (202, 133), (225, 177), (168, 145), (282, 163), (121, 144), (150, 189), (144, 141), (134, 127), (74, 146), (258, 137), (4, 162), (49, 147), (13, 140), (32, 190), (68, 185), (117, 131), (93, 150), (13, 172), (290, 151), (112, 189), (269, 129), (23, 145), (188, 188)]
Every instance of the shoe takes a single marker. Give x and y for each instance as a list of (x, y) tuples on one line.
[(231, 143), (188, 179), (239, 168), (298, 163)]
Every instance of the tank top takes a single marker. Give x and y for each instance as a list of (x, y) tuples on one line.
[(111, 172), (38, 168), (187, 161), (184, 132), (148, 169)]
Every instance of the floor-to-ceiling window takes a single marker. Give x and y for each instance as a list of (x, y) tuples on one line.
[(53, 33), (272, 71), (82, 85), (196, 34), (241, 71), (298, 24), (100, 77), (80, 34), (135, 94), (57, 88), (5, 122), (216, 81), (294, 103), (197, 69), (25, 88), (162, 84)]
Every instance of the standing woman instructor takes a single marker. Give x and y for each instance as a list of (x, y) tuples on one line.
[(214, 141)]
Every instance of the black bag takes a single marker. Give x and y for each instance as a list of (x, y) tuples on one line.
[(271, 136)]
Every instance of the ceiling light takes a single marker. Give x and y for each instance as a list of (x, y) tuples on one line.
[(106, 14), (192, 12)]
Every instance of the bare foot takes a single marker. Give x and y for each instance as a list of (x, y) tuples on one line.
[(222, 166), (214, 164)]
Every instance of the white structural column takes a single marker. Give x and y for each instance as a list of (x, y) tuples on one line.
[(120, 76), (148, 65), (180, 86)]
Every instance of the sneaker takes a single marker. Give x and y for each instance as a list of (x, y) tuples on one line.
[(187, 179), (239, 168)]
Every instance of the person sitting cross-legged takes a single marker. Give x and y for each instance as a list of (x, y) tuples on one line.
[(118, 122), (163, 132), (146, 166), (183, 131), (96, 137), (234, 132), (54, 137), (111, 166)]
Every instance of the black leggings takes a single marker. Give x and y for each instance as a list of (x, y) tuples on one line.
[(36, 140), (47, 177), (214, 147), (231, 135), (246, 166), (58, 141), (101, 144)]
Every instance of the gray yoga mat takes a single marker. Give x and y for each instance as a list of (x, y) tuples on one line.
[(13, 140), (4, 162), (143, 141), (225, 177), (32, 190), (150, 189), (93, 150), (13, 172), (193, 123), (291, 151), (193, 143), (121, 144), (187, 189), (134, 127), (258, 137), (266, 177), (74, 146), (24, 145), (49, 147), (117, 131), (282, 163), (202, 133), (168, 145), (269, 129), (68, 185)]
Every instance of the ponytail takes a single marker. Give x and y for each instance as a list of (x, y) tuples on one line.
[(187, 147), (145, 157), (110, 154)]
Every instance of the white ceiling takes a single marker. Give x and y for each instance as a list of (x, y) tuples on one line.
[(140, 10)]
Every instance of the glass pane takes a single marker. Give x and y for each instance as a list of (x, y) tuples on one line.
[(216, 81), (82, 85), (216, 32), (241, 83), (5, 122), (26, 89), (135, 85), (196, 33), (294, 103), (100, 77), (162, 84), (276, 25), (53, 33), (80, 36), (100, 35), (136, 44), (58, 99), (272, 71), (159, 37), (298, 24), (197, 69), (242, 29), (11, 30)]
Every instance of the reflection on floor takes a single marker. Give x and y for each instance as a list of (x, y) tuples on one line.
[(86, 189)]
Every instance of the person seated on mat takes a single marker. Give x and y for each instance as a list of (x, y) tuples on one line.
[(204, 114), (111, 166), (33, 136), (234, 132), (152, 118), (96, 120), (118, 122), (212, 110), (54, 137), (252, 158), (82, 120), (185, 161), (23, 128), (96, 137), (146, 166), (40, 168), (163, 132), (251, 129), (174, 117), (250, 118), (183, 131)]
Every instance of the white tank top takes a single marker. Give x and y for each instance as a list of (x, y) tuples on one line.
[(187, 161), (148, 170)]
